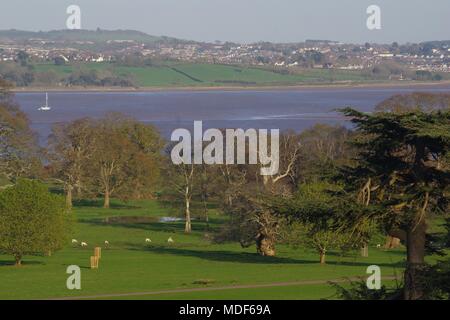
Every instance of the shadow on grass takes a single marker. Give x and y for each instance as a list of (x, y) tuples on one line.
[(218, 255), (149, 224), (98, 203), (81, 267), (24, 263), (246, 257)]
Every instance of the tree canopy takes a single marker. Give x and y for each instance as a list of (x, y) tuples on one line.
[(402, 163), (32, 220), (19, 151)]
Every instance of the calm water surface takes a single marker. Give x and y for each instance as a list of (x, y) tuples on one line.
[(284, 109)]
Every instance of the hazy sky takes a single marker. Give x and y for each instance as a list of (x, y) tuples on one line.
[(242, 20)]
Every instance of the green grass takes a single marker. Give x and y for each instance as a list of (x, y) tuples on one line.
[(209, 75), (60, 70), (306, 292), (129, 265), (3, 181)]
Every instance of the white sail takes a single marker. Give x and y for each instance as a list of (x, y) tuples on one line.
[(45, 107)]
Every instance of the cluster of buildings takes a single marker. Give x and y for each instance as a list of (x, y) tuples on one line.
[(309, 54), (44, 51), (327, 55)]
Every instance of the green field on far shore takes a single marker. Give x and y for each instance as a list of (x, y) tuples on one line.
[(208, 75)]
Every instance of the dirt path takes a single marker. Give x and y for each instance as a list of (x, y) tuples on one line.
[(249, 286)]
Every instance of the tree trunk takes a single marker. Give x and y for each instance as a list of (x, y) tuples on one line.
[(207, 221), (322, 256), (78, 185), (394, 238), (106, 201), (415, 242), (205, 210), (69, 197), (391, 242), (230, 201), (188, 225), (265, 246), (365, 250), (18, 259)]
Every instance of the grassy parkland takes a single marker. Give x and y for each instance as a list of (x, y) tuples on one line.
[(130, 265)]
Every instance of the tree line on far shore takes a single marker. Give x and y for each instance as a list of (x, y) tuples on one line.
[(337, 188)]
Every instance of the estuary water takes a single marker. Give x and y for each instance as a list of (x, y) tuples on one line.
[(295, 109)]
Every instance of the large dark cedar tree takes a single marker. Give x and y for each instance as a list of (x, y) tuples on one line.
[(402, 163)]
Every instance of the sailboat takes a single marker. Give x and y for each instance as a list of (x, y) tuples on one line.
[(45, 107)]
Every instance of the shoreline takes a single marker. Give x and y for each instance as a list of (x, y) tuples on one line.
[(298, 87)]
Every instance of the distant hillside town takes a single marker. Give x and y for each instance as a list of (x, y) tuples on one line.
[(417, 61)]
